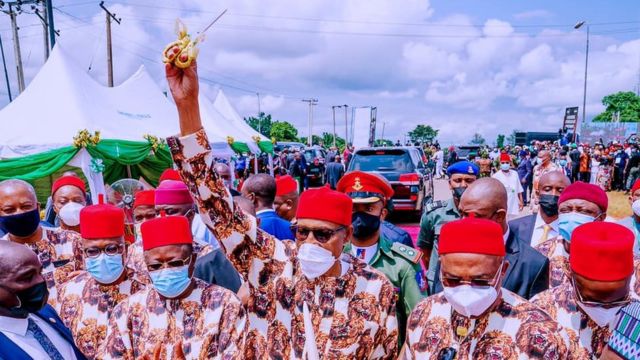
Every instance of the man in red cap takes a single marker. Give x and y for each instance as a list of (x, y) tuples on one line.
[(511, 181), (68, 196), (601, 266), (144, 209), (308, 299), (86, 301), (286, 201), (59, 251), (579, 203), (179, 315), (370, 194), (475, 317), (633, 222)]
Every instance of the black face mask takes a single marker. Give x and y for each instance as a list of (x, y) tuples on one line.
[(32, 300), (23, 224), (364, 225), (549, 204), (458, 191)]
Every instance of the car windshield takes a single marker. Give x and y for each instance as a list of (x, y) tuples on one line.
[(382, 160)]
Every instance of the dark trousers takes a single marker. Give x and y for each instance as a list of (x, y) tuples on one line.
[(618, 178), (585, 176), (574, 174)]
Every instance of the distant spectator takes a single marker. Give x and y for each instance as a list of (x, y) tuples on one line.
[(334, 172)]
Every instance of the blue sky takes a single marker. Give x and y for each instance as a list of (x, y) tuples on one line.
[(462, 66)]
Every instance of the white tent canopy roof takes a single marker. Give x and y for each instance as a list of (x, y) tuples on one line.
[(225, 108)]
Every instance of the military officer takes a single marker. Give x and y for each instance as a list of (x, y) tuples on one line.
[(438, 213), (399, 263)]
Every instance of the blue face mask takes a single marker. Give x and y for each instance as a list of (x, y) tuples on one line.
[(171, 282), (105, 268), (563, 162), (505, 167), (23, 224), (570, 221)]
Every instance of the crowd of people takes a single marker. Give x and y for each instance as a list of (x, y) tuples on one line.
[(265, 270)]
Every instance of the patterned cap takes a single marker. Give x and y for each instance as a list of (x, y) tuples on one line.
[(365, 188), (625, 338)]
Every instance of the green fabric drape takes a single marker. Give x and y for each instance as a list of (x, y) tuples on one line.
[(36, 166), (240, 147), (266, 146)]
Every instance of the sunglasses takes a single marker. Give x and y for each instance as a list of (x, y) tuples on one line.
[(454, 281), (605, 305), (321, 235), (110, 250), (169, 264)]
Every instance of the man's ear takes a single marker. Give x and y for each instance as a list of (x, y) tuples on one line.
[(504, 268), (501, 215), (384, 213)]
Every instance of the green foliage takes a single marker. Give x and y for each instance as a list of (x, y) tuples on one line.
[(283, 131), (477, 140), (261, 124), (623, 106), (423, 133), (327, 140), (500, 141), (383, 142)]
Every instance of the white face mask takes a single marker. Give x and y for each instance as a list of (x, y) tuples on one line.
[(470, 301), (70, 213), (636, 207), (314, 260), (601, 316)]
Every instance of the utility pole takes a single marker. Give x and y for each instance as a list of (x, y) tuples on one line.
[(384, 124), (346, 126), (16, 47), (312, 103), (333, 109), (6, 75), (52, 31), (109, 16), (584, 94), (42, 14)]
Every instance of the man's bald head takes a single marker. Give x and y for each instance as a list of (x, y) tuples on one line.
[(485, 198), (261, 190), (223, 171), (13, 256), (16, 197), (544, 156), (552, 183), (20, 269), (13, 185)]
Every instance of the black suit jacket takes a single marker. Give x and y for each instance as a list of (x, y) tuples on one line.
[(523, 227), (215, 268), (527, 274)]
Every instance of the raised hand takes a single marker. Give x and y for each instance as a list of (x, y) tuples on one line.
[(184, 89)]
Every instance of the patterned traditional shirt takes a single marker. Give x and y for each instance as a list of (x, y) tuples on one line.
[(514, 329), (85, 305), (210, 323), (560, 303), (353, 315), (60, 253)]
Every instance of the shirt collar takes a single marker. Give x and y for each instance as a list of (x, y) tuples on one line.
[(540, 223), (264, 211), (14, 325)]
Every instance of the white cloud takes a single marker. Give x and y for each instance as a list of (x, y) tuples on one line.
[(533, 14)]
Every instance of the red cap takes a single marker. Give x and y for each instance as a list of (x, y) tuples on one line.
[(145, 198), (471, 236), (102, 221), (170, 174), (584, 191), (505, 158), (285, 185), (325, 204), (636, 186), (602, 251), (172, 192), (168, 230), (365, 187), (68, 180)]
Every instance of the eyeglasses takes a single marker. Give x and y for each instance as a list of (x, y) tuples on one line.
[(606, 305), (447, 354), (169, 264), (454, 281), (110, 250), (321, 235)]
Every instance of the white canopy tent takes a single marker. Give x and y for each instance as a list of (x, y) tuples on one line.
[(225, 108)]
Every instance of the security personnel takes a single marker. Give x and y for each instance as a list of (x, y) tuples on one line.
[(438, 213), (400, 263)]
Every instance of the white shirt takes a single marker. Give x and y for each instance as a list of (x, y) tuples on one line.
[(202, 233), (16, 331), (511, 182), (364, 253), (538, 230)]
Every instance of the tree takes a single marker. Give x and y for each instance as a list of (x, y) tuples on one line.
[(423, 133), (314, 141), (623, 106), (283, 131), (477, 140), (327, 139), (500, 141), (261, 124), (383, 142)]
